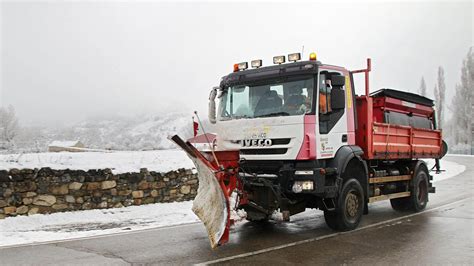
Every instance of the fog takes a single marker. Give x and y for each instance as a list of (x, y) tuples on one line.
[(66, 62)]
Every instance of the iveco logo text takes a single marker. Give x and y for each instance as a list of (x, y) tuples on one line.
[(256, 142)]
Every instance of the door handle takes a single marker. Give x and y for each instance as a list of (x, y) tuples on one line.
[(344, 138)]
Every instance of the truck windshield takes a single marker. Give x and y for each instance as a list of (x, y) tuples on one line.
[(274, 99)]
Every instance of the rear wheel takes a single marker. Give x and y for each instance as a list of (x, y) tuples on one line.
[(349, 207), (419, 191), (418, 198)]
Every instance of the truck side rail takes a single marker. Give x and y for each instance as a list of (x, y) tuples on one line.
[(398, 141)]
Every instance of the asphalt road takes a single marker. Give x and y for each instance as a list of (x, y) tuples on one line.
[(443, 234)]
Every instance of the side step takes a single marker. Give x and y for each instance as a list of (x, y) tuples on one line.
[(390, 196), (392, 178)]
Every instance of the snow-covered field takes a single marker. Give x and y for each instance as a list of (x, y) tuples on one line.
[(61, 226), (118, 161)]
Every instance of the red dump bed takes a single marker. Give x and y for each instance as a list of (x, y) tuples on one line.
[(397, 125)]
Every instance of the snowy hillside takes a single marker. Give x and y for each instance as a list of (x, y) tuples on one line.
[(119, 133), (139, 133)]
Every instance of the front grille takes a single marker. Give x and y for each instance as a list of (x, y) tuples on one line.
[(263, 151), (262, 167), (280, 141)]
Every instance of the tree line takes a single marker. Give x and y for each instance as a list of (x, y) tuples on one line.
[(8, 127), (459, 129)]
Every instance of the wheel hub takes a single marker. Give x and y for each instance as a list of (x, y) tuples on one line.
[(421, 192), (352, 204)]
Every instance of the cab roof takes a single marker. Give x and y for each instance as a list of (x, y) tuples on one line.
[(270, 72)]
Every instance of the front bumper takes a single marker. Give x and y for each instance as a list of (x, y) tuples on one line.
[(285, 174)]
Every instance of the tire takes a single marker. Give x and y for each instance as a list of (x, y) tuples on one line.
[(349, 209), (330, 218), (419, 191), (418, 198)]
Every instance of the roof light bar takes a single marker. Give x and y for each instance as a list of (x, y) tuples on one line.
[(243, 66), (294, 57), (312, 56), (256, 63), (279, 59)]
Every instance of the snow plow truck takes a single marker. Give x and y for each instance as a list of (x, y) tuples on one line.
[(294, 135)]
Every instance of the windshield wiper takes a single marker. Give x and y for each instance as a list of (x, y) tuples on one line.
[(240, 116), (274, 114)]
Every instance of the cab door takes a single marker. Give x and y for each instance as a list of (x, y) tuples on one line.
[(332, 132)]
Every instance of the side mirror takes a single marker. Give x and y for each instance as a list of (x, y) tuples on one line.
[(212, 105), (338, 80), (338, 99)]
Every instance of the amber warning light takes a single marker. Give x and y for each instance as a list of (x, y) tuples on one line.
[(241, 66)]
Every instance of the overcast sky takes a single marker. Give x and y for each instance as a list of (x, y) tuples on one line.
[(65, 62)]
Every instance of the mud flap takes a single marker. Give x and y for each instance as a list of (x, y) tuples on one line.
[(211, 204)]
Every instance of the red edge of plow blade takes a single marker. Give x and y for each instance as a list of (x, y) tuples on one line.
[(225, 174)]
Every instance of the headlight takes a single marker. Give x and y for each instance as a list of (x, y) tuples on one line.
[(299, 186)]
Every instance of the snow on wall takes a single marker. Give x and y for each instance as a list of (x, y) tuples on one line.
[(118, 162)]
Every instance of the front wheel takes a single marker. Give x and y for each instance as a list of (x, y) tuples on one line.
[(349, 209)]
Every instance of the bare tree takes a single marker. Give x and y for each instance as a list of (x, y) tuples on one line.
[(423, 87), (463, 104), (8, 127), (440, 91)]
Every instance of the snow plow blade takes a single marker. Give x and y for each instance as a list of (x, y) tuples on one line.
[(216, 183)]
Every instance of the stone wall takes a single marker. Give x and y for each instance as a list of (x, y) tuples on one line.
[(31, 191)]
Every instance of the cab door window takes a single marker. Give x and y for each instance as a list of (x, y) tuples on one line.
[(324, 95), (328, 117)]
